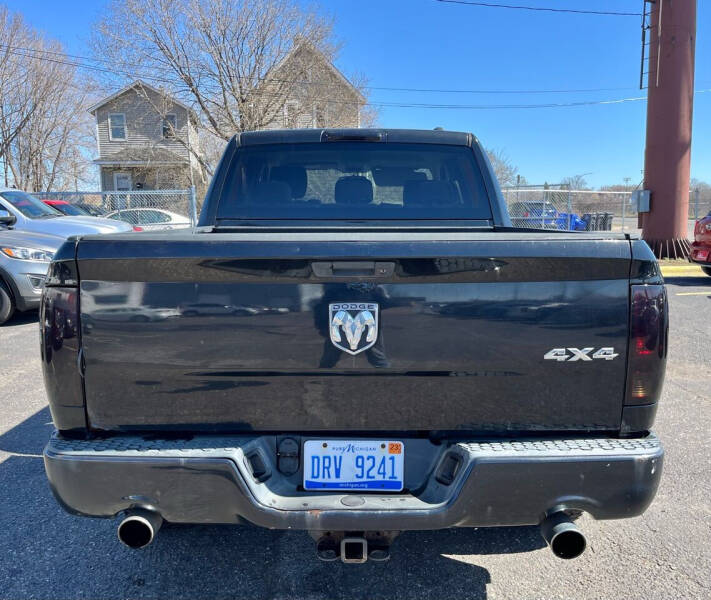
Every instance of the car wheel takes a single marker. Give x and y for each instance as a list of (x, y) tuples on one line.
[(706, 270), (7, 304)]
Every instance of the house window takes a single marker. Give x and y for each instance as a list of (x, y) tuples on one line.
[(122, 182), (291, 114), (319, 115), (170, 126), (117, 126)]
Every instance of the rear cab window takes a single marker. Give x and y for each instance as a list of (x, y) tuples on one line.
[(354, 181)]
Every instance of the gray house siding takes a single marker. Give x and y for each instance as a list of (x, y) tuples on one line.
[(335, 114), (144, 124)]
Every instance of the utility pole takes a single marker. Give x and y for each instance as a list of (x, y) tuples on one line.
[(670, 100)]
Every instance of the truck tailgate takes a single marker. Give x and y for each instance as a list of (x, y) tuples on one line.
[(232, 331)]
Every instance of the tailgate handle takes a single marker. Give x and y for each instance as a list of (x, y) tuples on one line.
[(353, 269)]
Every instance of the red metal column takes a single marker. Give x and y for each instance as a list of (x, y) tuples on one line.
[(670, 100)]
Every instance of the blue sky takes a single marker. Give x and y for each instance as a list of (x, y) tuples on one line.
[(429, 44)]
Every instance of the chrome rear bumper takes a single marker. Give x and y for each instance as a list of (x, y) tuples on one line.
[(208, 479)]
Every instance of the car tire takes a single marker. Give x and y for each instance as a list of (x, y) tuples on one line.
[(7, 304), (706, 270)]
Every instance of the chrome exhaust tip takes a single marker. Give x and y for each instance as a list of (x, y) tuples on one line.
[(563, 536), (138, 528)]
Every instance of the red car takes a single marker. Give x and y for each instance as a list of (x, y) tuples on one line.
[(701, 248), (65, 207)]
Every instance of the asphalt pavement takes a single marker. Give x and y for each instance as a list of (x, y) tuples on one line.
[(48, 554)]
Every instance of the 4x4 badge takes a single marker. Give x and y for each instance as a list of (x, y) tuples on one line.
[(580, 354), (350, 320)]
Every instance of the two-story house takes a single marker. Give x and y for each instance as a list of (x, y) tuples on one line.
[(317, 93), (146, 140)]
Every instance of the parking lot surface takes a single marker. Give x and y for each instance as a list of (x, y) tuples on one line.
[(48, 554)]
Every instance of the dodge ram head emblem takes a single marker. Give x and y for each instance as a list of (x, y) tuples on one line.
[(350, 320)]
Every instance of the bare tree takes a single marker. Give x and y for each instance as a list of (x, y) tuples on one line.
[(506, 171), (52, 151), (18, 103), (703, 187), (575, 182), (700, 203), (44, 132), (225, 58)]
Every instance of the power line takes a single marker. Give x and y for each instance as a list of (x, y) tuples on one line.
[(375, 104), (314, 83), (456, 91), (512, 106), (542, 8), (24, 53)]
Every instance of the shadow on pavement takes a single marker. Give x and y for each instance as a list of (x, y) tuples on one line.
[(30, 436), (704, 281), (21, 318), (50, 554)]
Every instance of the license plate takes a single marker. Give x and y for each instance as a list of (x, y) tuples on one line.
[(354, 465)]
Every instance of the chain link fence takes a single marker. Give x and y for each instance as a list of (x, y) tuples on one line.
[(145, 209), (700, 203), (554, 207), (534, 207)]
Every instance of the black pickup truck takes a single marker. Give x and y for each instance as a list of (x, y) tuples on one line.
[(355, 342)]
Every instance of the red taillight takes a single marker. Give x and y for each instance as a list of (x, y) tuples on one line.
[(137, 228), (527, 214), (58, 320), (648, 344), (60, 341), (641, 349)]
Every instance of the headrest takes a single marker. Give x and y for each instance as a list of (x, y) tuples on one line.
[(270, 192), (429, 193), (293, 175), (354, 190)]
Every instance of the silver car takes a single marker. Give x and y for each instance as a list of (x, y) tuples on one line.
[(150, 219), (24, 258), (31, 214)]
